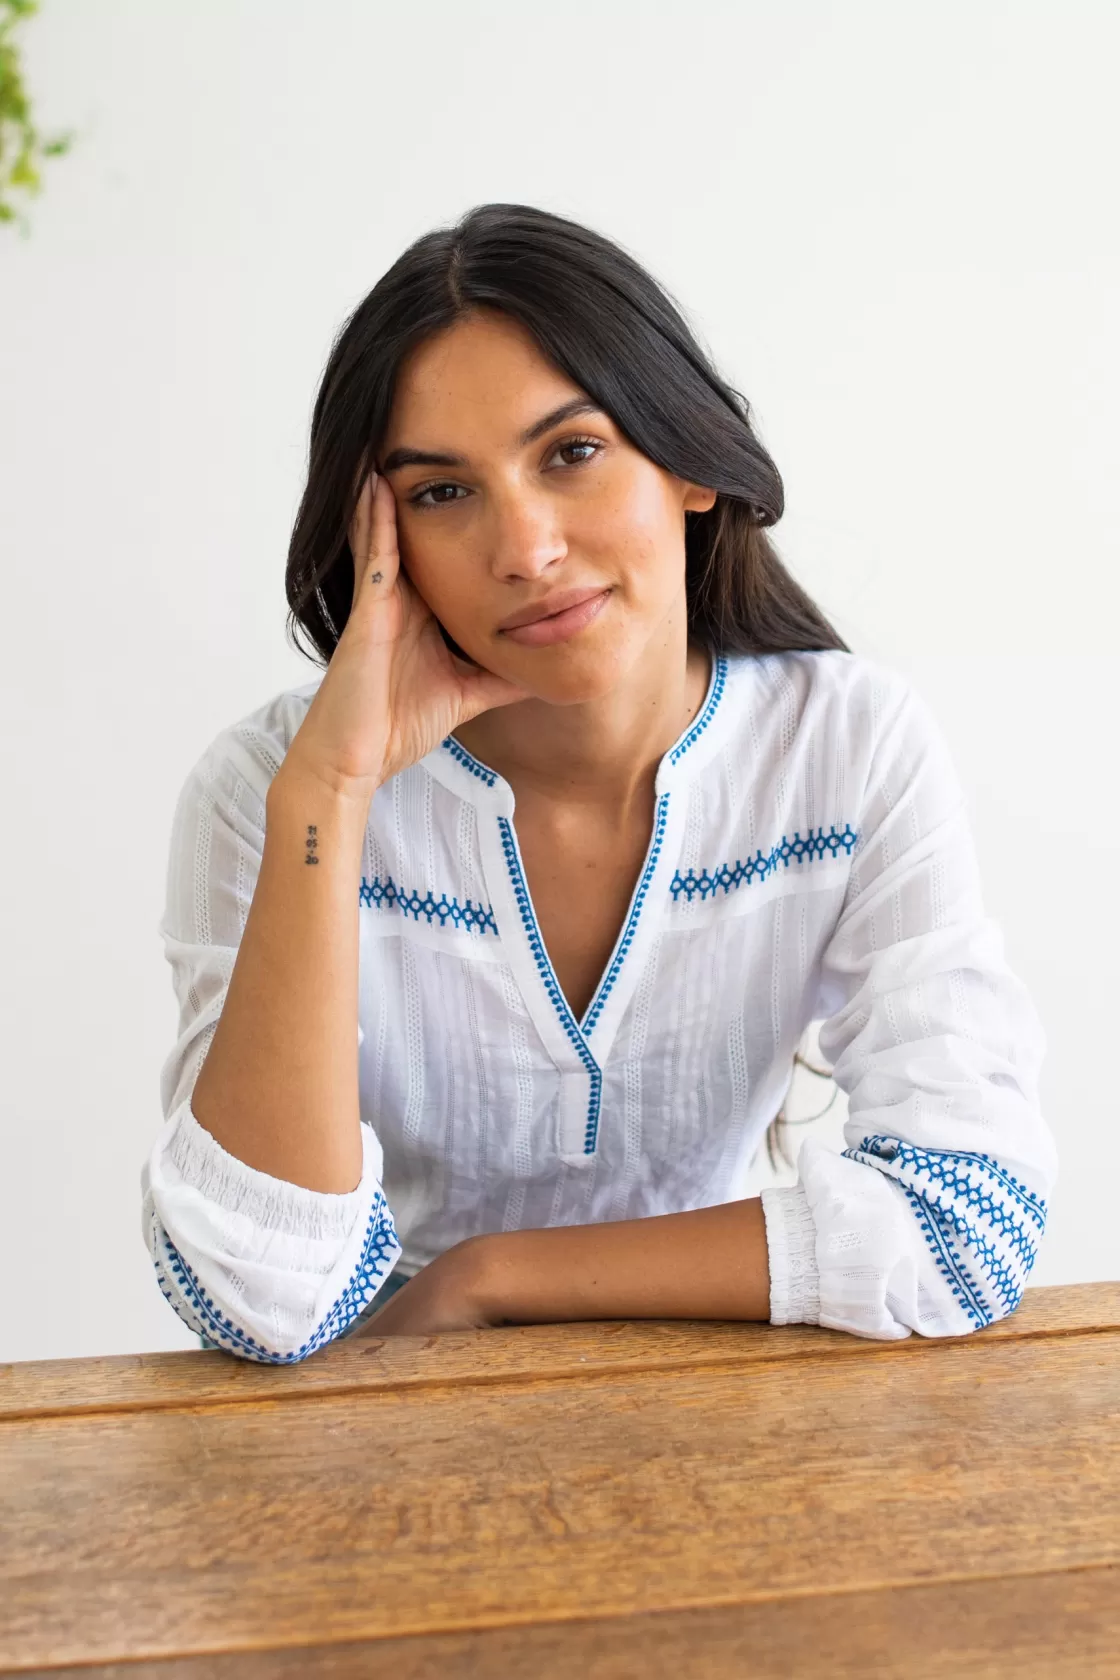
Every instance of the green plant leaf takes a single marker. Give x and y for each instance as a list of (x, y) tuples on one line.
[(18, 133)]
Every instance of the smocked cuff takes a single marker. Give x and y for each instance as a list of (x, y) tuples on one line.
[(791, 1238), (268, 1203)]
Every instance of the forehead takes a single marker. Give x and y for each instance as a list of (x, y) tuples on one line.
[(486, 372)]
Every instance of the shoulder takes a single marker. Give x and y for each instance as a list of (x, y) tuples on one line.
[(249, 751), (819, 683), (851, 702), (820, 718)]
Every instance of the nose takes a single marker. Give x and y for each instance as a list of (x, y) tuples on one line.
[(525, 535)]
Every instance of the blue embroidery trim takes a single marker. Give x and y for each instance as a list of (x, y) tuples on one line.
[(468, 761), (719, 681), (544, 969), (377, 894), (949, 1262), (971, 1196), (380, 1250), (661, 816), (815, 846)]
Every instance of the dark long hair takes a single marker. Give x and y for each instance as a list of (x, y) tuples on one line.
[(600, 317), (618, 334)]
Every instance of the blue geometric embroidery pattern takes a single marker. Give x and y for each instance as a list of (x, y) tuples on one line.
[(936, 1230), (468, 762), (379, 1251), (476, 918), (660, 818), (544, 968), (718, 682), (817, 844), (969, 1196)]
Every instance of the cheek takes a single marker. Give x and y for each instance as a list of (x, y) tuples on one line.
[(443, 576), (637, 535), (430, 568)]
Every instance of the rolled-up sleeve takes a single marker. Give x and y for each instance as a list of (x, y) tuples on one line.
[(263, 1268), (930, 1218)]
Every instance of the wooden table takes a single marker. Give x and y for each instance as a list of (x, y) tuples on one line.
[(587, 1500)]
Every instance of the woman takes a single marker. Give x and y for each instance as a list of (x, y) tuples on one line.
[(589, 815)]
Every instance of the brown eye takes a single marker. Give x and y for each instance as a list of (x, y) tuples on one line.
[(579, 443), (416, 499)]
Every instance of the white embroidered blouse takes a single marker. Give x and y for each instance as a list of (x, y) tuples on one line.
[(810, 860)]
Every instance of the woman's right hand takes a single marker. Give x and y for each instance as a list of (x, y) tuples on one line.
[(393, 689)]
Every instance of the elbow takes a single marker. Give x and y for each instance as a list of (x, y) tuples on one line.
[(982, 1252), (211, 1319), (976, 1227), (279, 1332)]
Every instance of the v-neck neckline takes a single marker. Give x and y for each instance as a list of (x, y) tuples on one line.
[(580, 1048), (592, 1015)]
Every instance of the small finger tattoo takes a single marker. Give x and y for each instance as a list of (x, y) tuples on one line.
[(375, 577), (312, 842)]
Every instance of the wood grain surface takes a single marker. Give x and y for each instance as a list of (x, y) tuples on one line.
[(573, 1499), (539, 1352), (1034, 1627)]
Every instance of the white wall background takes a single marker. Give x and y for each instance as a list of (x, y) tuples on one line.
[(895, 227)]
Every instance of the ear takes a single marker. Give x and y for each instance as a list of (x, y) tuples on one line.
[(698, 499)]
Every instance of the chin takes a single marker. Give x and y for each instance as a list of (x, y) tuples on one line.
[(568, 675)]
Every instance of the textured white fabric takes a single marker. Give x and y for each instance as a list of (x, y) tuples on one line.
[(810, 860), (241, 1233), (791, 1238)]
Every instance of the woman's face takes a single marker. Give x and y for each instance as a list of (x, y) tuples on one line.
[(515, 522)]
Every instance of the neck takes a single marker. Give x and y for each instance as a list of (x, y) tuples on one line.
[(599, 752)]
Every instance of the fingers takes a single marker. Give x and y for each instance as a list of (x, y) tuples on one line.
[(373, 540), (359, 536), (381, 555)]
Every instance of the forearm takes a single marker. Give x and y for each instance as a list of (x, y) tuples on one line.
[(708, 1263), (279, 1086)]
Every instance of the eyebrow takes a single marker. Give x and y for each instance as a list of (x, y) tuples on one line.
[(405, 457)]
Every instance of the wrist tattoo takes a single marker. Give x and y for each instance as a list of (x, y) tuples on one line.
[(375, 577), (312, 843)]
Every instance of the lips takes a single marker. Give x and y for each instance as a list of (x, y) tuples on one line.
[(561, 626), (548, 608)]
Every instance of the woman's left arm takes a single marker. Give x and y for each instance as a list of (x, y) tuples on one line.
[(930, 1219)]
